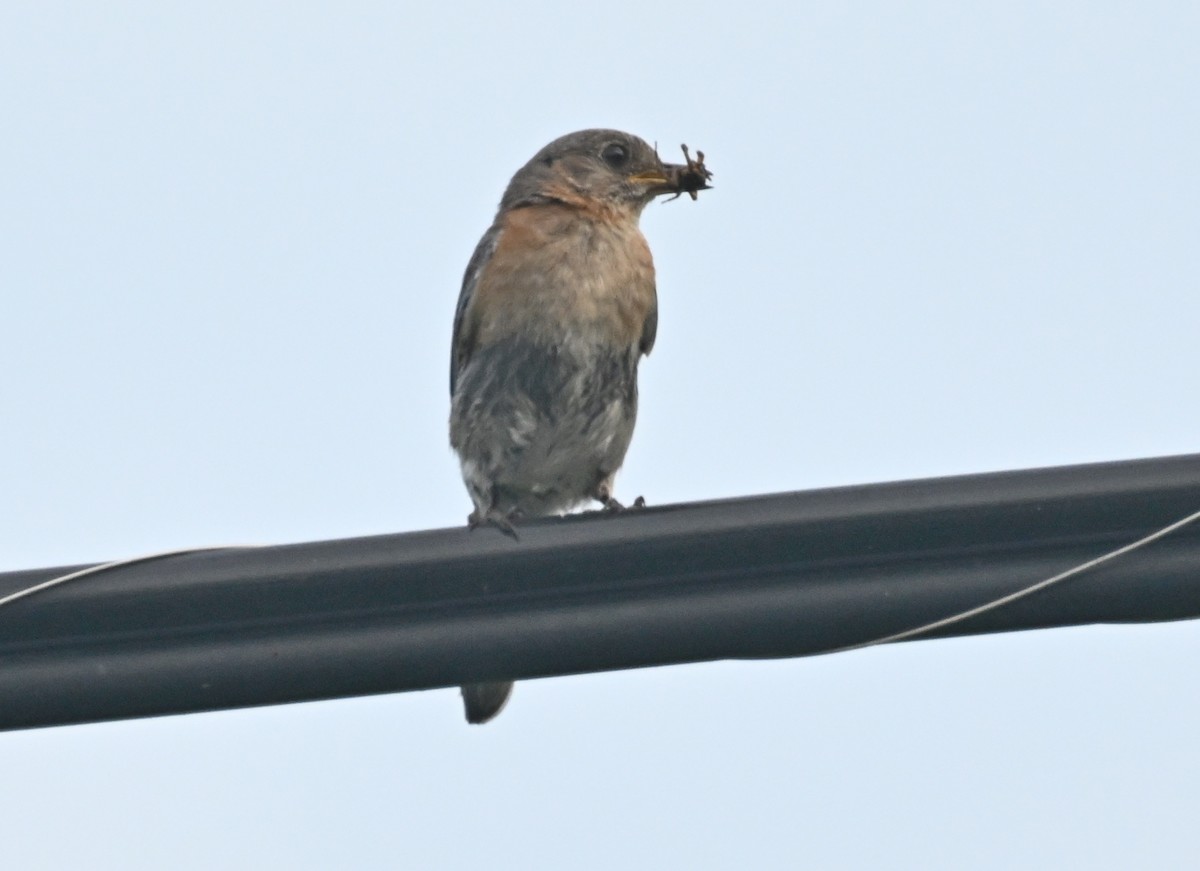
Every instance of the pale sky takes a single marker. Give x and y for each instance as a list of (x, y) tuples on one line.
[(944, 238)]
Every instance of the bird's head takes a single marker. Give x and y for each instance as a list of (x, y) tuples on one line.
[(605, 168)]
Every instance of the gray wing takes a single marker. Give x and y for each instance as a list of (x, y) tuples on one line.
[(462, 342), (650, 328)]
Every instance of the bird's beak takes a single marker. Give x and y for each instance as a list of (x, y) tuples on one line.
[(656, 182)]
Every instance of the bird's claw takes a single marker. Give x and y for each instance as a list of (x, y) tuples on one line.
[(498, 519), (611, 505)]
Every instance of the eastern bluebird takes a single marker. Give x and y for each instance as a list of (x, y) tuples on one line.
[(557, 307)]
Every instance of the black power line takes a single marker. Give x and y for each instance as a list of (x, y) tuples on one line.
[(770, 576)]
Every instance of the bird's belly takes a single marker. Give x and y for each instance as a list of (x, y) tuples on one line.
[(538, 427)]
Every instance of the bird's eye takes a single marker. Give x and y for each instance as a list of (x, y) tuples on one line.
[(615, 154)]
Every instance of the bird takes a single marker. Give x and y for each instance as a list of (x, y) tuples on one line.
[(558, 305)]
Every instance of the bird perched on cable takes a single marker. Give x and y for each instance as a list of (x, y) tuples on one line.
[(557, 307)]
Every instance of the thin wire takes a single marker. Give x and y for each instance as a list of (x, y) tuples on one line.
[(104, 567), (1023, 592)]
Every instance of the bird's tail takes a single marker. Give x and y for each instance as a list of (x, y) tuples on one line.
[(483, 701)]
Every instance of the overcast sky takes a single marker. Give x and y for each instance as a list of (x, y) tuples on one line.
[(944, 238)]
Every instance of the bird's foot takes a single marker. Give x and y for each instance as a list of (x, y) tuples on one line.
[(612, 505), (500, 520)]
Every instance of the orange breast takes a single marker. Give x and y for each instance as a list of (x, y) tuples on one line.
[(557, 269)]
